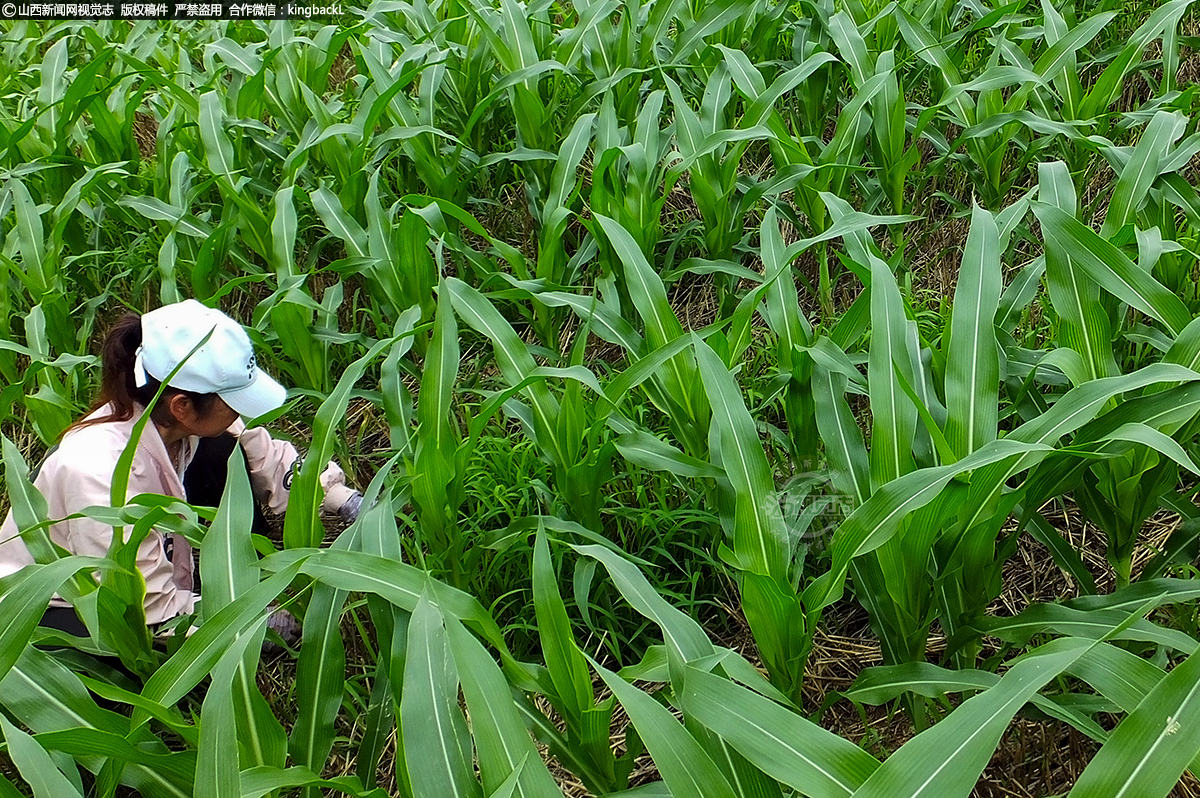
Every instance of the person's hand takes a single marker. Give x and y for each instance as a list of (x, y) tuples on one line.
[(350, 508), (286, 626)]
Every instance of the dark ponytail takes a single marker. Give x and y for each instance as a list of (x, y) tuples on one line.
[(119, 389)]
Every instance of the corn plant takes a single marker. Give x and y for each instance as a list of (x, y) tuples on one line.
[(893, 580)]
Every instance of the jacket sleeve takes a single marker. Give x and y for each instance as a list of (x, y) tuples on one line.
[(273, 463)]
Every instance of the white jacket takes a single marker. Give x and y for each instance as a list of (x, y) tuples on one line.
[(78, 473)]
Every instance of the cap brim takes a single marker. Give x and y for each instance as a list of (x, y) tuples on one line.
[(261, 396)]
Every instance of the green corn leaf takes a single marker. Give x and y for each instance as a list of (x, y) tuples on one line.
[(947, 759), (760, 541), (156, 209), (229, 568), (1142, 170), (715, 16), (257, 782), (502, 741), (568, 670), (894, 416), (1144, 435), (1073, 410), (216, 772), (200, 653), (843, 439), (1019, 294), (237, 56), (339, 222), (24, 597), (783, 744), (685, 639), (1091, 624), (302, 523), (1076, 298), (926, 45), (83, 742), (1150, 749), (52, 84), (879, 518), (1118, 675), (29, 509), (1065, 555), (604, 322), (1107, 88), (643, 449), (228, 565), (30, 235), (397, 582), (35, 764), (683, 763), (973, 360), (763, 102), (217, 147), (437, 438), (320, 674), (853, 48), (571, 42), (878, 685), (435, 733), (1062, 53), (46, 697), (514, 360), (563, 179), (1103, 263), (283, 232), (1152, 593), (649, 297)]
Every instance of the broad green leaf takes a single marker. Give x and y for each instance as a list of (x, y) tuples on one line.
[(566, 664), (782, 743), (284, 227), (302, 524), (24, 597), (760, 541), (1142, 170), (685, 639), (217, 771), (436, 739), (320, 674), (972, 359), (514, 360), (228, 569), (217, 147), (683, 763), (1109, 268), (502, 742), (1091, 624), (949, 758), (643, 449), (340, 223), (38, 770), (1151, 748), (229, 565)]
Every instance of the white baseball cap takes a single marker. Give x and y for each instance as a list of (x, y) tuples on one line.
[(224, 365)]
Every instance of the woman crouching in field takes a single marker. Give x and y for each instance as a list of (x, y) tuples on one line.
[(182, 453)]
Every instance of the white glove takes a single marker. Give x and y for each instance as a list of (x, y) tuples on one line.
[(337, 492)]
